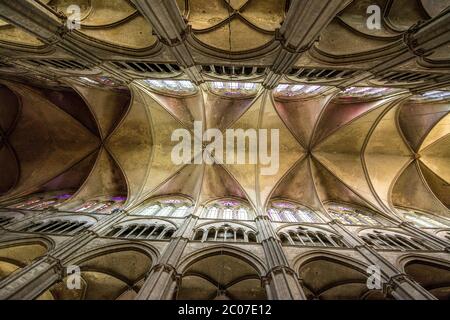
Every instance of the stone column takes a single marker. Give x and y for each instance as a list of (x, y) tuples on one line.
[(398, 284), (303, 24), (31, 281), (51, 28), (162, 280), (169, 25), (281, 282)]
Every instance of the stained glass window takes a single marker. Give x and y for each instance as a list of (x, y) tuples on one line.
[(234, 88), (100, 81), (26, 204), (282, 204), (150, 211), (353, 216), (367, 92), (228, 209), (432, 96), (227, 213), (180, 212), (298, 90), (41, 202), (283, 211), (180, 87), (423, 220), (242, 214), (168, 207), (166, 211), (308, 216), (212, 212), (86, 206)]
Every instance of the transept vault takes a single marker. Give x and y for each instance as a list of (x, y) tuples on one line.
[(89, 187)]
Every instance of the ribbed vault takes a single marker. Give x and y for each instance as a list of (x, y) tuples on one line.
[(377, 153)]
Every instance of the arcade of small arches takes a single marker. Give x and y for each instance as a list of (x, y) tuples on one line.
[(118, 272), (227, 264), (86, 171)]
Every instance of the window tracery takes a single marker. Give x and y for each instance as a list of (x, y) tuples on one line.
[(435, 95), (235, 89), (63, 226), (422, 220), (228, 210), (99, 81), (351, 215), (298, 90), (177, 87), (283, 211), (168, 207), (41, 202), (156, 230), (367, 92), (390, 240), (224, 232), (102, 206), (307, 236)]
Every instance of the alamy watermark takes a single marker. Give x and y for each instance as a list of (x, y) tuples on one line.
[(248, 146), (374, 281), (73, 281), (73, 17), (374, 20)]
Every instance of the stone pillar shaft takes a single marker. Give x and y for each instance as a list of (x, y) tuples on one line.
[(398, 284), (31, 281)]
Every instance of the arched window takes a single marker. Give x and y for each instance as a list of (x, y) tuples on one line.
[(199, 235), (298, 90), (41, 202), (177, 87), (224, 232), (228, 210), (150, 211), (284, 211), (211, 234), (140, 230), (308, 236), (180, 212), (235, 89), (423, 220), (101, 205), (228, 213), (87, 206), (212, 212), (367, 92), (348, 214), (284, 239), (57, 226), (390, 240), (165, 207), (240, 235), (434, 95), (165, 212), (251, 237)]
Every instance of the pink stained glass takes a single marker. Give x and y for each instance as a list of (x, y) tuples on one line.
[(229, 203), (119, 198), (171, 201), (281, 204), (63, 196)]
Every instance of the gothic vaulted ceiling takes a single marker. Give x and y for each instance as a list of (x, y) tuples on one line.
[(380, 153), (77, 113)]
